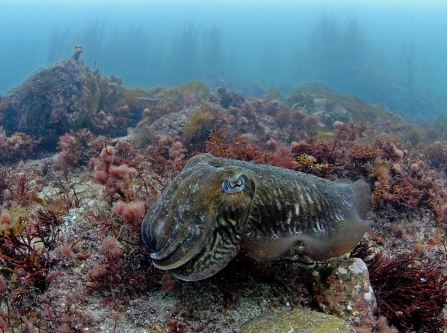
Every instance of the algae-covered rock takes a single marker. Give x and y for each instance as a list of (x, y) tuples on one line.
[(297, 321), (49, 103), (68, 96), (228, 98), (177, 94), (342, 288), (331, 106)]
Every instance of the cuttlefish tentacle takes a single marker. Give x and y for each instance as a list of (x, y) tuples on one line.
[(215, 206)]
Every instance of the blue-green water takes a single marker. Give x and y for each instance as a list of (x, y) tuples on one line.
[(250, 46)]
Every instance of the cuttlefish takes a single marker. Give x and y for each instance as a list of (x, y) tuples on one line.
[(216, 206)]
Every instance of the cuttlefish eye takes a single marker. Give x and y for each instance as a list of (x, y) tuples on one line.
[(234, 185)]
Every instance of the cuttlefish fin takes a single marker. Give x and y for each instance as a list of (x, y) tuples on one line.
[(341, 243), (350, 230)]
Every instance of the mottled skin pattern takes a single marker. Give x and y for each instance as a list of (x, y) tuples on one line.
[(216, 205)]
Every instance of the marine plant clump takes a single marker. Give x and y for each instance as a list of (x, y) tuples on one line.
[(15, 147), (117, 179), (436, 154), (221, 144), (25, 242), (121, 269), (398, 179), (229, 98), (74, 148), (411, 293), (198, 124), (166, 155)]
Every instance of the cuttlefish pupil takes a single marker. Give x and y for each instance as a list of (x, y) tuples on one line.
[(234, 185), (196, 227)]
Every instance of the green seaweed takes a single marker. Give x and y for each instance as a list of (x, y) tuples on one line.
[(195, 87), (175, 95), (440, 125), (198, 124), (416, 134), (324, 134), (274, 93)]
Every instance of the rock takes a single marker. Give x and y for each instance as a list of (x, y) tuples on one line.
[(228, 98), (341, 114), (297, 321), (327, 120), (328, 115), (49, 103), (342, 288), (319, 105)]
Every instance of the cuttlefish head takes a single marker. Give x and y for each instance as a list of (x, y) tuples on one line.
[(195, 228)]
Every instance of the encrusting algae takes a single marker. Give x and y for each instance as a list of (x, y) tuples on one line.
[(297, 321)]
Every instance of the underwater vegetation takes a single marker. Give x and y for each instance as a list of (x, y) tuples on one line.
[(71, 251), (408, 307), (198, 125)]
